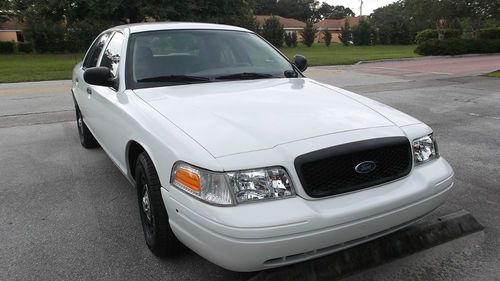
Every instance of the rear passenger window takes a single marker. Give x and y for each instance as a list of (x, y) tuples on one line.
[(111, 57), (95, 51)]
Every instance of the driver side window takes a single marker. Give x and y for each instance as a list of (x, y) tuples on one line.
[(111, 56)]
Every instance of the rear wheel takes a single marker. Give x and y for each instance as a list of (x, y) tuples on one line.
[(157, 232), (86, 138)]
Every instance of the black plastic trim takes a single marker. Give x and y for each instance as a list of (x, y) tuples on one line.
[(349, 148)]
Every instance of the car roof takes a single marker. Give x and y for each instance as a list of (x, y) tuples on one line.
[(154, 26)]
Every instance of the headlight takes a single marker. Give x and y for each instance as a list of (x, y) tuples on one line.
[(425, 149), (261, 184), (232, 188)]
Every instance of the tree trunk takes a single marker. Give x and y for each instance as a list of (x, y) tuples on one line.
[(441, 27)]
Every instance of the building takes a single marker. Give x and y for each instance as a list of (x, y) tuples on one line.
[(334, 26), (11, 30), (290, 25)]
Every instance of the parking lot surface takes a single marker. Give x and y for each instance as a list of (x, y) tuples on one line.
[(68, 213)]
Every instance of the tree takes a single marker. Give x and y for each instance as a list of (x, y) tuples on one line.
[(79, 21), (44, 23), (477, 12), (346, 35), (273, 31), (323, 11), (266, 7), (341, 12), (234, 12), (297, 9), (436, 14), (5, 10), (362, 33), (309, 33), (392, 24), (328, 37), (326, 11)]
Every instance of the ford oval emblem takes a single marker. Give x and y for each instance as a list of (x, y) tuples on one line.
[(365, 167)]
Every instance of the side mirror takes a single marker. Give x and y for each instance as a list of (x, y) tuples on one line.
[(300, 62), (99, 76)]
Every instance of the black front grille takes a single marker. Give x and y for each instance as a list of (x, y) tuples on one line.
[(332, 170)]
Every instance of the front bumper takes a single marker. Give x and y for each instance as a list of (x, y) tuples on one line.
[(262, 235)]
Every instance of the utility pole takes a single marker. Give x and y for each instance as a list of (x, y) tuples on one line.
[(361, 9)]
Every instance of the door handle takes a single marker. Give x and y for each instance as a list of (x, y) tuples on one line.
[(89, 91)]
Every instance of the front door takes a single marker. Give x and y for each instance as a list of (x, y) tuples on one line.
[(107, 105)]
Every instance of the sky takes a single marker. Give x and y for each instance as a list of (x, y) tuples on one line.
[(368, 5)]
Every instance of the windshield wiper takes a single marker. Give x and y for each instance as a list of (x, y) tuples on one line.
[(175, 79), (244, 75)]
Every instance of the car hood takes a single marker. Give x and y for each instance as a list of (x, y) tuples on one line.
[(240, 116)]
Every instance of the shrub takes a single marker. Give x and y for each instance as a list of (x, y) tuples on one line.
[(328, 37), (428, 34), (425, 35), (7, 47), (362, 33), (46, 37), (452, 33), (273, 31), (247, 21), (456, 46), (490, 33), (25, 47), (309, 33), (345, 35)]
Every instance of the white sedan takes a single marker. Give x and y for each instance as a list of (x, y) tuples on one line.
[(239, 156)]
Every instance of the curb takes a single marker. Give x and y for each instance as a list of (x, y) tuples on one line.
[(402, 243), (426, 58), (35, 83)]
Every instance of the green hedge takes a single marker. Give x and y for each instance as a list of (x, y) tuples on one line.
[(7, 47), (25, 47), (46, 37), (490, 33), (428, 34), (455, 46), (12, 47)]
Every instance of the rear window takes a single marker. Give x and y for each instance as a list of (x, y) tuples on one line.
[(95, 51)]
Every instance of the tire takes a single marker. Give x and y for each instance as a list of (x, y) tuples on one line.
[(154, 218), (86, 138)]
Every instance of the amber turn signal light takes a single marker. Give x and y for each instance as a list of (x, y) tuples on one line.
[(188, 179)]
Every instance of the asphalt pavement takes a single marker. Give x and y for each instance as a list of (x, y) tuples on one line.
[(67, 213)]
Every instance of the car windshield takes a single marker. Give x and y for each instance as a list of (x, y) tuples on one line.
[(177, 57)]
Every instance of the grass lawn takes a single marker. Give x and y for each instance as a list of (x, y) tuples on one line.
[(37, 67), (41, 67), (319, 54), (495, 74)]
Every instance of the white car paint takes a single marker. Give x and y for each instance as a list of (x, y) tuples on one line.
[(215, 126), (299, 108)]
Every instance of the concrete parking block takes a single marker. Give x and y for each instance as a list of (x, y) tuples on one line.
[(421, 236)]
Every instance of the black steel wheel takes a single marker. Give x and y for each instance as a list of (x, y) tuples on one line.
[(157, 232), (86, 138)]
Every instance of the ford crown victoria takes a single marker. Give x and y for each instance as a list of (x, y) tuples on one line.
[(239, 156)]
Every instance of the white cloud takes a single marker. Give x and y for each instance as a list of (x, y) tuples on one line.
[(368, 5)]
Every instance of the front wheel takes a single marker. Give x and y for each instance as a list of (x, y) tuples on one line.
[(157, 232), (86, 138)]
